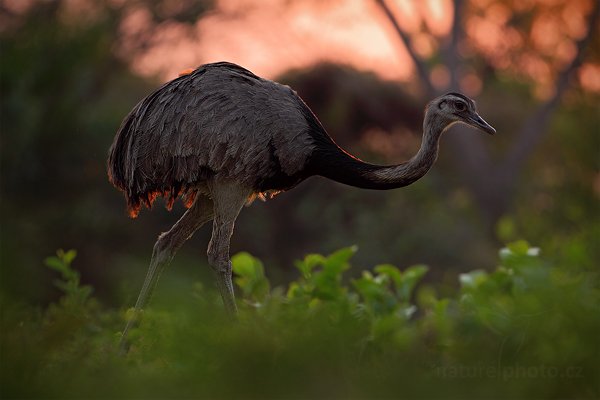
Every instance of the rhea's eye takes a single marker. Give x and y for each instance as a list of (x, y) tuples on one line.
[(460, 106)]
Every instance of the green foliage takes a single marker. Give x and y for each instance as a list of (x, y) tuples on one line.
[(250, 277), (324, 283), (75, 296), (378, 295), (525, 329)]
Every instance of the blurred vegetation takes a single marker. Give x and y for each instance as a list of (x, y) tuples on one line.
[(526, 329), (65, 85)]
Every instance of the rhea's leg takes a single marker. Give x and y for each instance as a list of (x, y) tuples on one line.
[(228, 199), (164, 250)]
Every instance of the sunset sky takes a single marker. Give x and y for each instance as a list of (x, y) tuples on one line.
[(278, 35), (273, 36), (270, 37)]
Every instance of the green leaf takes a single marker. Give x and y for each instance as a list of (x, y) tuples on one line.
[(519, 247), (250, 276), (245, 265), (391, 271), (309, 263), (69, 256), (376, 293), (58, 264), (472, 279), (520, 256), (410, 277), (367, 287), (337, 262), (55, 263)]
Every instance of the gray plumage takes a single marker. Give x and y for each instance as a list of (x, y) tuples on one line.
[(220, 136), (220, 121)]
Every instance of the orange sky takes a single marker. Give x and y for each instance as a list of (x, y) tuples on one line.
[(272, 36)]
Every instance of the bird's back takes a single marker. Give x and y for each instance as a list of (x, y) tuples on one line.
[(220, 120)]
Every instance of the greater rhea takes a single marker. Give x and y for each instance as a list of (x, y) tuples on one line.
[(220, 136)]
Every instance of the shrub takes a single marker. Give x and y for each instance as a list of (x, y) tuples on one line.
[(525, 329)]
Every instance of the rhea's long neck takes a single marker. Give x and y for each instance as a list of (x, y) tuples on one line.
[(334, 163)]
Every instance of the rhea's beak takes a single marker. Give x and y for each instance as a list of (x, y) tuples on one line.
[(476, 121)]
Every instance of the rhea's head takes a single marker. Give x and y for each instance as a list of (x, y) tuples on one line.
[(456, 107)]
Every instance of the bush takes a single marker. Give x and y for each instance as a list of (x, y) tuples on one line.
[(527, 329)]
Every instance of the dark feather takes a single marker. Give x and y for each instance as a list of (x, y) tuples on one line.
[(220, 120)]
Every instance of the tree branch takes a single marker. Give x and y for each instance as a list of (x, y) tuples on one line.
[(470, 154), (473, 154), (450, 51), (422, 69), (535, 127)]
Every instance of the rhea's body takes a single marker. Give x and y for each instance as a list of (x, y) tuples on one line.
[(220, 121), (221, 135)]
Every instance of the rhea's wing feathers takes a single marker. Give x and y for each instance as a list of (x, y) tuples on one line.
[(221, 119)]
